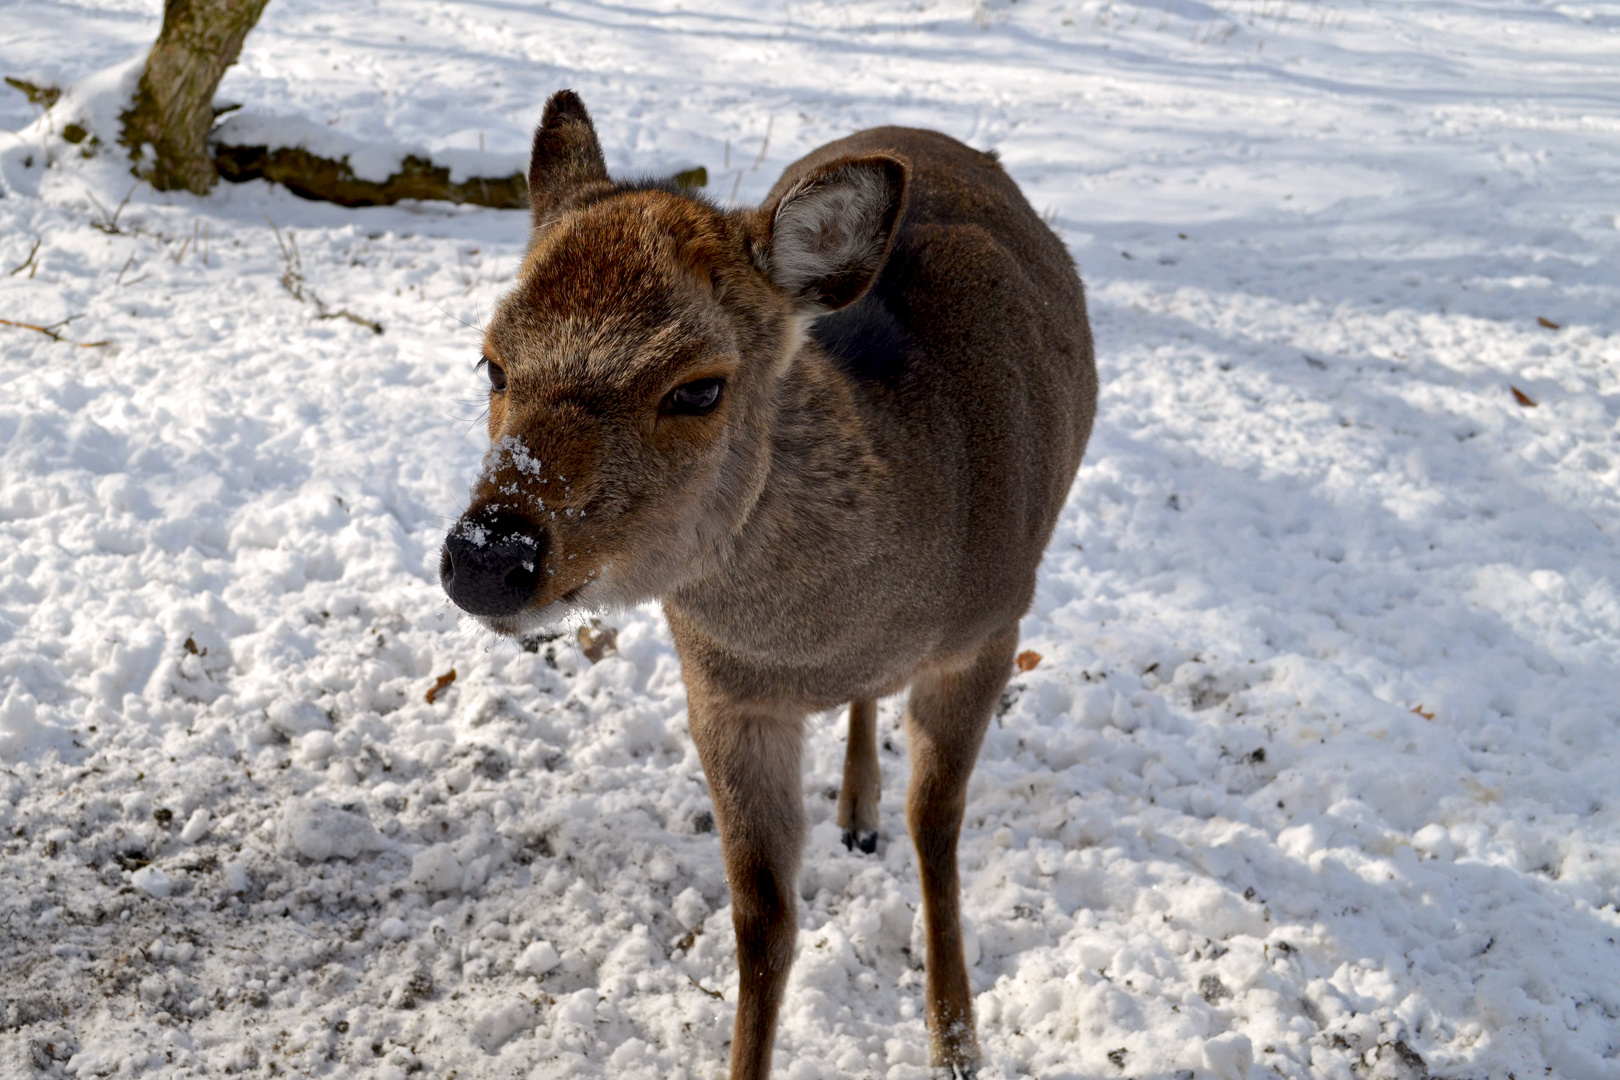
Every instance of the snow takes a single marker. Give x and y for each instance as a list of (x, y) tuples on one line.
[(317, 831), (1315, 776), (152, 881), (539, 958), (196, 826)]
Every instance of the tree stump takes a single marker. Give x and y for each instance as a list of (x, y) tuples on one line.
[(173, 109)]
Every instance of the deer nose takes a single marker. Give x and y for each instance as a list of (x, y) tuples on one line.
[(491, 563)]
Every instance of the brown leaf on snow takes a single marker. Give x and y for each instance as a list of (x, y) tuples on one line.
[(595, 641), (1523, 398), (439, 684), (1418, 709), (1548, 323), (1027, 660)]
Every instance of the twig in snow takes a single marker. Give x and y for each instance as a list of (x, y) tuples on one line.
[(717, 995), (345, 313), (292, 279), (51, 332), (181, 254), (765, 146), (292, 274), (109, 222), (46, 330), (26, 263)]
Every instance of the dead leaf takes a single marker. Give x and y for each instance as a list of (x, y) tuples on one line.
[(1418, 709), (1548, 323), (1523, 398), (1027, 660), (191, 646), (596, 640), (439, 684)]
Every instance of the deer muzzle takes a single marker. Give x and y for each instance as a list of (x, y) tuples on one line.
[(492, 563)]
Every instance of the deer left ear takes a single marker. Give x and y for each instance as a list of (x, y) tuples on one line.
[(830, 234), (567, 157)]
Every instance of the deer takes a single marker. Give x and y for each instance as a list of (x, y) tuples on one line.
[(832, 435)]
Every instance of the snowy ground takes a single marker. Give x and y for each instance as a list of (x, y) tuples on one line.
[(1317, 776)]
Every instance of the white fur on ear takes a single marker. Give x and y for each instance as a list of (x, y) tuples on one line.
[(832, 228)]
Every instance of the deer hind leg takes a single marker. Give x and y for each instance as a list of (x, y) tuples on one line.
[(946, 719), (751, 757), (863, 781)]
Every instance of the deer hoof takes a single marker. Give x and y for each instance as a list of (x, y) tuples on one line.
[(865, 841)]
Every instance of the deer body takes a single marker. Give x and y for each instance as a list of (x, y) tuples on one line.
[(924, 442), (833, 436)]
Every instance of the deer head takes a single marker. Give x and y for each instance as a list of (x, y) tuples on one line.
[(635, 373)]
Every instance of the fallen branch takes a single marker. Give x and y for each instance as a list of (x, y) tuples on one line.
[(320, 179), (50, 332), (325, 180)]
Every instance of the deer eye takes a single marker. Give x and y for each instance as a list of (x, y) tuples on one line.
[(496, 373), (696, 398)]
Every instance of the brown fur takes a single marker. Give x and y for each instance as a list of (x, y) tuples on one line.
[(908, 389)]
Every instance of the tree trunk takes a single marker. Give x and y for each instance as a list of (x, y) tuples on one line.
[(174, 106)]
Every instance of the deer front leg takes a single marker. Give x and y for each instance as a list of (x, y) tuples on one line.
[(751, 757), (946, 719), (863, 782)]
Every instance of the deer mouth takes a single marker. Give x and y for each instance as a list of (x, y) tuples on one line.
[(532, 619)]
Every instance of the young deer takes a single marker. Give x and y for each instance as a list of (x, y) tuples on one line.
[(832, 434)]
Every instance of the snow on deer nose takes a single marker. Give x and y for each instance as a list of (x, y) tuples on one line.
[(491, 563)]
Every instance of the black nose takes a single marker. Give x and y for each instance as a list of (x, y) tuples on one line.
[(491, 563)]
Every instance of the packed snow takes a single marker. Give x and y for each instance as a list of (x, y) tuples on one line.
[(1316, 774)]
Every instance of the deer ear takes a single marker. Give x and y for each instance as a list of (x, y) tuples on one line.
[(830, 234), (566, 158)]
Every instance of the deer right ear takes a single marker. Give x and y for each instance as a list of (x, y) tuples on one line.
[(830, 234), (567, 158)]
